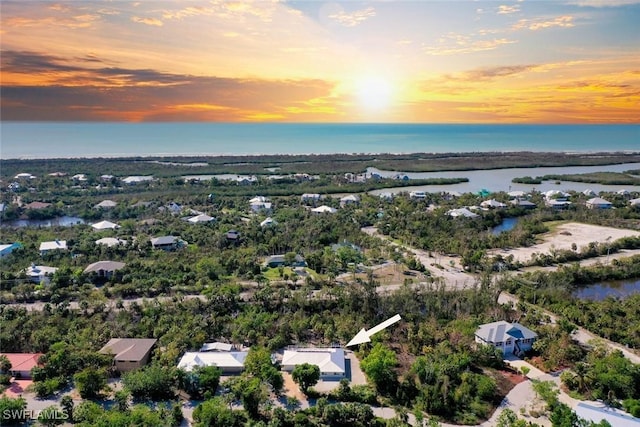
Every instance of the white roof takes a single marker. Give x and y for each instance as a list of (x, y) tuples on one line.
[(623, 192), (260, 205), (461, 212), (221, 359), (23, 175), (258, 199), (516, 193), (598, 201), (132, 179), (200, 218), (329, 360), (312, 196), (55, 244), (107, 204), (589, 192), (323, 209), (110, 241), (418, 194), (492, 204), (40, 270), (634, 202), (105, 225), (216, 346), (268, 221), (350, 198), (104, 266)]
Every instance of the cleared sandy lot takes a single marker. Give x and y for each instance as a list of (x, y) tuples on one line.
[(564, 235)]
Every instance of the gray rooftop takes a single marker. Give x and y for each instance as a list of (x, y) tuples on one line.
[(501, 331), (128, 348)]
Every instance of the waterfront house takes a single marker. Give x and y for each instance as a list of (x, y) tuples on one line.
[(7, 249), (129, 353), (331, 361), (598, 203), (524, 204), (418, 194), (511, 338), (55, 245), (22, 364)]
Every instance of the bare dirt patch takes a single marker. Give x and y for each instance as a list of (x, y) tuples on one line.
[(565, 235)]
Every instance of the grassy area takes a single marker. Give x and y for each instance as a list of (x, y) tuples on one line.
[(605, 178)]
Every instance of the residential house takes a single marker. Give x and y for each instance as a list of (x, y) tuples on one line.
[(511, 338), (40, 273), (418, 194), (129, 353), (259, 203), (461, 212), (24, 175), (279, 260), (79, 177), (22, 363), (598, 203), (589, 193), (55, 245), (106, 177), (525, 204), (268, 222), (351, 199), (233, 235), (516, 194), (324, 209), (331, 361), (104, 269), (106, 204), (7, 249), (310, 197), (105, 225), (492, 204), (57, 174), (216, 346), (173, 208), (634, 202), (136, 179), (557, 204), (386, 195), (167, 243), (202, 218), (229, 362), (110, 241)]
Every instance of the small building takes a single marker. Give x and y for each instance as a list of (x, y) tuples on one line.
[(129, 353), (55, 245), (24, 175), (198, 219), (511, 338), (106, 204), (229, 362), (634, 202), (598, 203), (104, 268), (331, 361), (557, 204), (599, 413), (268, 222), (589, 193), (22, 363), (79, 177), (461, 212), (105, 225), (110, 241), (40, 273), (351, 199), (524, 204), (418, 194), (5, 250), (167, 243), (310, 197), (106, 177), (492, 204), (279, 260), (136, 179), (324, 209), (233, 235), (516, 194)]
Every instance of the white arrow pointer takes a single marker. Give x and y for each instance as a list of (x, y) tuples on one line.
[(363, 336)]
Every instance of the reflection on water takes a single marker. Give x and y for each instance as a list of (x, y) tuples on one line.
[(507, 225), (63, 221), (614, 288)]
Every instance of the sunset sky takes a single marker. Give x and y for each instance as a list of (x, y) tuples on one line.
[(572, 61)]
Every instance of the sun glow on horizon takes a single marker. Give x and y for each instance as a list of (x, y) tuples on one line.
[(374, 93)]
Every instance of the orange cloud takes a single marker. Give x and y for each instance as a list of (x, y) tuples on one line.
[(148, 21), (565, 21)]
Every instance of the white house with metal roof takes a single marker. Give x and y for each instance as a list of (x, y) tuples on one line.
[(54, 245), (331, 361), (511, 338), (105, 225), (229, 362)]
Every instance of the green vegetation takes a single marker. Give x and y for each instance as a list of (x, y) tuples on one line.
[(306, 375), (605, 178), (527, 180)]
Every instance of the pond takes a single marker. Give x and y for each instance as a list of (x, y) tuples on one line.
[(62, 221), (507, 225), (613, 288)]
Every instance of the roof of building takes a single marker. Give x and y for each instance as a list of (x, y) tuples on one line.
[(104, 266), (500, 331), (37, 205), (221, 359), (106, 204), (216, 346), (614, 417), (39, 270), (313, 196), (329, 360), (350, 198), (634, 202), (492, 203), (137, 178), (55, 244), (520, 202), (200, 218), (11, 246), (130, 349), (258, 199), (268, 221), (598, 201), (110, 241), (461, 212), (105, 225), (22, 361), (164, 240), (323, 209)]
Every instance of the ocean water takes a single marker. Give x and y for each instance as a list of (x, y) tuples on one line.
[(91, 139)]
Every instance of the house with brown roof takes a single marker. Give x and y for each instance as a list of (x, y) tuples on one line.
[(22, 363), (129, 353), (104, 268)]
